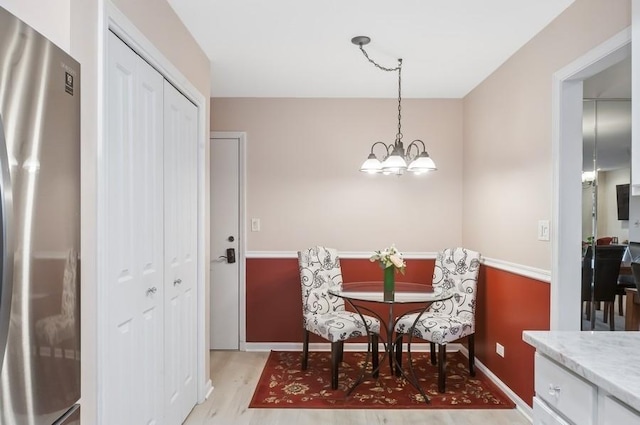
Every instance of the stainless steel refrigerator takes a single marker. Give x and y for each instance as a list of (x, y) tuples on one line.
[(39, 229)]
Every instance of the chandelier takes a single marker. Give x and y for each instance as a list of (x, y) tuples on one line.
[(395, 159)]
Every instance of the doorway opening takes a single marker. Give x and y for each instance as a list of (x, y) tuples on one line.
[(567, 153), (606, 177)]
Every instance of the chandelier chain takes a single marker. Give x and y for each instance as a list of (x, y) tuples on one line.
[(399, 135), (399, 69)]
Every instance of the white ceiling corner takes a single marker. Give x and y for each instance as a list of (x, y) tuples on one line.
[(297, 48)]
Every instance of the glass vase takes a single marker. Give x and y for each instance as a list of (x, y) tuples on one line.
[(389, 282)]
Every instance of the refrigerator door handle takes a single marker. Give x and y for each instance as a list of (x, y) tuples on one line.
[(6, 242)]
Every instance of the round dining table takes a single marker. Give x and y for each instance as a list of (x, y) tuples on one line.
[(417, 296)]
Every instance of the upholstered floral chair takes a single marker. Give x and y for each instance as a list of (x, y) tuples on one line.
[(456, 270), (324, 314)]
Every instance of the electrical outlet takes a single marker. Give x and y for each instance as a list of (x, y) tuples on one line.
[(255, 224), (500, 349)]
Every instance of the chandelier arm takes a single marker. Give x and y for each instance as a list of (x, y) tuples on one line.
[(386, 147), (415, 145)]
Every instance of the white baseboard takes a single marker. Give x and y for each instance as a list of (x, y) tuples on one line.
[(208, 390), (524, 408)]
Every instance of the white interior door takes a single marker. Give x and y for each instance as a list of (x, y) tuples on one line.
[(133, 257), (180, 185), (225, 229)]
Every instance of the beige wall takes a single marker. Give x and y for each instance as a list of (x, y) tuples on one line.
[(303, 182), (159, 23), (50, 18), (608, 223), (634, 218), (587, 213), (507, 135)]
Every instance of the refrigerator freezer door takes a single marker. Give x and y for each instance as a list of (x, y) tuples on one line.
[(40, 110)]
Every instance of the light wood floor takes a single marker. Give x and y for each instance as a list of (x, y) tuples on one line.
[(235, 374)]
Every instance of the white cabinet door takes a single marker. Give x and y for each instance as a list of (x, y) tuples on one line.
[(133, 240), (615, 413), (544, 415), (180, 211)]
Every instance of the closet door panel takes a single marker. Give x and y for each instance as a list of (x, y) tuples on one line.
[(180, 183), (149, 238), (133, 258)]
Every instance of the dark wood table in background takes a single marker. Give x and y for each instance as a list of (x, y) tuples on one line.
[(632, 315)]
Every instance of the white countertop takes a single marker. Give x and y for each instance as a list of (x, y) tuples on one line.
[(611, 360)]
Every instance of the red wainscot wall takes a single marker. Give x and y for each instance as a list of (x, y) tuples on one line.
[(507, 304), (274, 296)]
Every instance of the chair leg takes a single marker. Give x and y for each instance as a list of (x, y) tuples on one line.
[(341, 352), (336, 348), (305, 350), (605, 311), (398, 350), (432, 350), (472, 354), (620, 312), (374, 354), (442, 368), (587, 309), (612, 313)]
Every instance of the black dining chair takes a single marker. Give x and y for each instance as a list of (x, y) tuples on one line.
[(607, 269)]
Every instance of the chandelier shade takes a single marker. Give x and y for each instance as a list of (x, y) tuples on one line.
[(394, 159)]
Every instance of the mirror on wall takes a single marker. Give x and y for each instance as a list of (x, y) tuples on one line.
[(606, 205)]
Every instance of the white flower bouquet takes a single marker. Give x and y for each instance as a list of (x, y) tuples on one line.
[(389, 257)]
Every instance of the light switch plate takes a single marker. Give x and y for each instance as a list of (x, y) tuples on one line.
[(255, 224), (543, 230)]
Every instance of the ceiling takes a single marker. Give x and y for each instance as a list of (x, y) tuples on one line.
[(298, 48)]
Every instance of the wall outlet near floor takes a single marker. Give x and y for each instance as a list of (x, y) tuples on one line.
[(500, 349), (255, 224)]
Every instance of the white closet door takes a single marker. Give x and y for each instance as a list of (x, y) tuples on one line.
[(133, 211), (180, 185)]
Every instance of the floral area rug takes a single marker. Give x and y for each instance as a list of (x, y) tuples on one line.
[(284, 385)]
